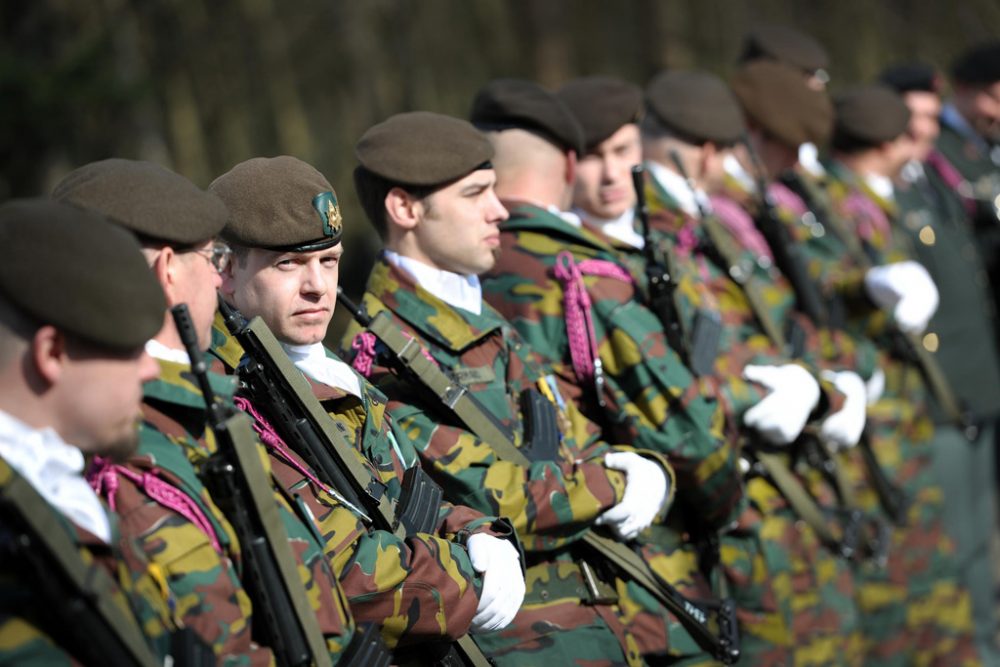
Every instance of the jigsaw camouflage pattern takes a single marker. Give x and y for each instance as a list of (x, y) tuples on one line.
[(201, 563), (418, 589), (28, 631), (551, 503)]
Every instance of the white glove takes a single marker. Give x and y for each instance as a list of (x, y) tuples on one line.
[(905, 289), (843, 428), (783, 413), (875, 386), (503, 582), (646, 488)]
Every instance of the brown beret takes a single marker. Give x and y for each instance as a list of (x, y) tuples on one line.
[(602, 105), (912, 77), (778, 99), (870, 114), (279, 203), (978, 65), (71, 268), (505, 104), (423, 148), (786, 45), (153, 202), (696, 105)]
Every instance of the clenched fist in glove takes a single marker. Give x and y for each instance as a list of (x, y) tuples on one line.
[(503, 581), (907, 291), (646, 488), (843, 428), (782, 414)]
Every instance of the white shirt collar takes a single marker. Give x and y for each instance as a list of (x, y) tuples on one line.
[(455, 289), (881, 185), (568, 217), (313, 361), (732, 166), (158, 350), (55, 470), (679, 189), (809, 159), (621, 228)]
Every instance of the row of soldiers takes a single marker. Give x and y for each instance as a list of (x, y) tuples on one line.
[(629, 384)]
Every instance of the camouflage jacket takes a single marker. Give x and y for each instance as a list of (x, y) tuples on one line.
[(421, 588), (648, 398), (30, 632), (552, 501), (201, 558)]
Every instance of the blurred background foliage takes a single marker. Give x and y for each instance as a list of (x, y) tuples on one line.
[(199, 85)]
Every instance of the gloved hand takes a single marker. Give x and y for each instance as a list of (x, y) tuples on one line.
[(646, 488), (905, 289), (875, 386), (843, 428), (783, 413), (503, 582)]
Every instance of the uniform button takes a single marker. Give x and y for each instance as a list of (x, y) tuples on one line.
[(927, 235), (931, 342), (544, 595)]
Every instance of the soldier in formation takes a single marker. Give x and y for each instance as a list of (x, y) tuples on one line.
[(702, 373)]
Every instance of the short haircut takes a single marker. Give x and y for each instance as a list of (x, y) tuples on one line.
[(372, 190)]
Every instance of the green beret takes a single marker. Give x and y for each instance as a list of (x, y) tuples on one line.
[(279, 203), (153, 202), (71, 268), (978, 65), (423, 148), (602, 105), (778, 99), (870, 114), (505, 104), (696, 105), (786, 45), (912, 77)]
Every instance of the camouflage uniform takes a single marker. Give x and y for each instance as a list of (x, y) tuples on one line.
[(935, 620), (552, 503), (418, 589), (762, 577), (201, 562), (27, 636)]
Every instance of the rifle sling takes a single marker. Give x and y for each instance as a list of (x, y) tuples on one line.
[(93, 583), (751, 286), (452, 394), (244, 443), (339, 446)]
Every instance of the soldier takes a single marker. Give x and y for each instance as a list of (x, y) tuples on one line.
[(159, 492), (869, 149), (77, 304), (285, 231), (941, 234), (970, 144), (426, 183)]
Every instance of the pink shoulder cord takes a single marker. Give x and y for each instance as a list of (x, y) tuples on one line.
[(577, 304), (364, 348), (364, 358), (103, 478), (273, 441), (952, 178)]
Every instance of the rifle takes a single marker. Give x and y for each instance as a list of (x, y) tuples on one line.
[(283, 618), (787, 254), (660, 282), (722, 644), (79, 609), (280, 390)]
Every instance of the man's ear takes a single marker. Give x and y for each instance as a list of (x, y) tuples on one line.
[(570, 172), (48, 353), (402, 209), (165, 267)]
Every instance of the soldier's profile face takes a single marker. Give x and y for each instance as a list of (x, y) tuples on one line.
[(293, 292), (604, 178), (924, 127), (986, 111), (458, 228), (100, 398), (196, 285)]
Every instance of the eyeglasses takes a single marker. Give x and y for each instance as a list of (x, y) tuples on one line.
[(218, 256)]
